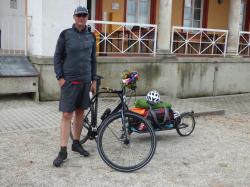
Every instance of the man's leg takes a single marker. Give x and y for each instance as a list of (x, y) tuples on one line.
[(77, 130), (65, 128), (65, 131), (78, 121)]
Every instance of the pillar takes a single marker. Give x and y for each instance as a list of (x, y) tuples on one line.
[(164, 26)]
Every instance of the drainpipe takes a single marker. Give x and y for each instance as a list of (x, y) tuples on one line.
[(215, 79), (26, 26)]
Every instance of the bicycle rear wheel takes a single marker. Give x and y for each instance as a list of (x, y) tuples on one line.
[(187, 124), (126, 148)]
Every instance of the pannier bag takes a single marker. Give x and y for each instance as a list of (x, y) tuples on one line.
[(159, 118)]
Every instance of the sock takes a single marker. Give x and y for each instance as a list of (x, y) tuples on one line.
[(76, 141), (63, 149)]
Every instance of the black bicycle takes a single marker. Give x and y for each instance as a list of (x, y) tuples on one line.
[(119, 147)]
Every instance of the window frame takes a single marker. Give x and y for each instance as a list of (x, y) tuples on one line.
[(137, 12), (243, 15), (192, 14), (13, 4)]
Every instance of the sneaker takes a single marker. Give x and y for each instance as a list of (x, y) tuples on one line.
[(77, 147), (62, 156)]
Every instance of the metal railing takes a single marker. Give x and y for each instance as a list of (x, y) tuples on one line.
[(198, 41), (13, 35), (244, 44), (124, 38)]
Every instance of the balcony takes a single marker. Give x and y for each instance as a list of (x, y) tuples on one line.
[(244, 44), (198, 41), (121, 38)]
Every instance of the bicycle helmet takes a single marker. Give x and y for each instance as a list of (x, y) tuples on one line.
[(176, 114), (129, 79), (153, 97)]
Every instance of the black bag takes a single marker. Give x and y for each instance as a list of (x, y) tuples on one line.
[(160, 117)]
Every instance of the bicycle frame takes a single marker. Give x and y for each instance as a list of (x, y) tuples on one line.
[(121, 107), (121, 132)]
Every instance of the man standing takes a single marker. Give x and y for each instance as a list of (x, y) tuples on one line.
[(75, 68)]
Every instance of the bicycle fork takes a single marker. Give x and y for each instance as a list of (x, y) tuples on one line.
[(125, 135)]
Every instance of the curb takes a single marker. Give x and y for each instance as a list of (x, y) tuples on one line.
[(208, 113)]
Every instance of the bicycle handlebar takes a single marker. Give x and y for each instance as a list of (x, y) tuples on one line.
[(106, 89), (110, 89), (99, 77)]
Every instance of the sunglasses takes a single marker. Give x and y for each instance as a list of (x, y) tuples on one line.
[(81, 15)]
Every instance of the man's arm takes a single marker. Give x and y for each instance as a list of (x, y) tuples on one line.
[(93, 60), (93, 67), (59, 56)]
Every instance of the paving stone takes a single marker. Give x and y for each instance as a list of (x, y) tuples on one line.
[(21, 113)]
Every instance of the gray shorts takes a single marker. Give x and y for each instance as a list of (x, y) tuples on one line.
[(74, 95)]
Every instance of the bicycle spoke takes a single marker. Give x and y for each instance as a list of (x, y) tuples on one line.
[(129, 153), (186, 126), (114, 134)]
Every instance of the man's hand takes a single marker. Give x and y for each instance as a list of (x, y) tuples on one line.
[(93, 87), (61, 82)]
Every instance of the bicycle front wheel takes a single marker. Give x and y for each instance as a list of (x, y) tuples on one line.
[(126, 147)]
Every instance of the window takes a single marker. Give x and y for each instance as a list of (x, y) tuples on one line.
[(193, 13), (138, 11), (13, 4), (242, 15)]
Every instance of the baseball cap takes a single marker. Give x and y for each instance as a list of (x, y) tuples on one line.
[(81, 10)]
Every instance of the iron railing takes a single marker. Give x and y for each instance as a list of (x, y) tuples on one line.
[(244, 43), (124, 38), (198, 41)]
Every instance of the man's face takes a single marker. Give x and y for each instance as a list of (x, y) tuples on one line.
[(81, 19)]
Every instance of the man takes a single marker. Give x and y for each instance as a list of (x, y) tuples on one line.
[(75, 68)]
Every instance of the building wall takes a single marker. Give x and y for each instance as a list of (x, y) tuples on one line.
[(181, 77), (177, 11), (12, 25), (218, 14), (48, 19), (118, 15), (54, 21), (35, 27), (110, 14), (6, 11), (157, 8)]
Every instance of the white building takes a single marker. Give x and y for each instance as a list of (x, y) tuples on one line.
[(212, 28)]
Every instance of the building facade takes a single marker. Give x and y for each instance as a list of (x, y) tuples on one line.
[(33, 26), (168, 41)]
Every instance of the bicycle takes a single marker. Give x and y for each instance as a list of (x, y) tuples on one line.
[(119, 147)]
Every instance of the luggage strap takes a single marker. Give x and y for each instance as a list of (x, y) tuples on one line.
[(152, 113)]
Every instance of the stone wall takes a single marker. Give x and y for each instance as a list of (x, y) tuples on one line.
[(177, 77)]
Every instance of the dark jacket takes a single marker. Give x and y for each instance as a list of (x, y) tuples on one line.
[(75, 57)]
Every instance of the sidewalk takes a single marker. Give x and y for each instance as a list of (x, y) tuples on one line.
[(22, 114), (215, 154)]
